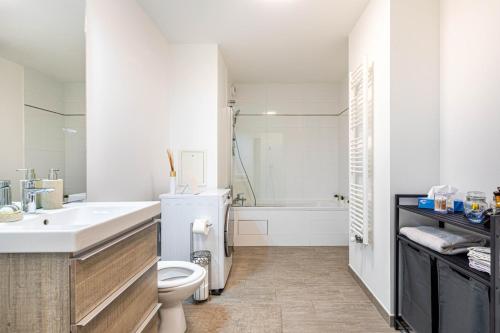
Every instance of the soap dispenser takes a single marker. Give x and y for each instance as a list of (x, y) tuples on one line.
[(54, 199)]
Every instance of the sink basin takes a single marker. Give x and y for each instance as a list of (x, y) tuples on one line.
[(75, 227)]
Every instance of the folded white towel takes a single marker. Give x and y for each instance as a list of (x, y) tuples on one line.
[(480, 266), (481, 262), (479, 256), (480, 249), (442, 240)]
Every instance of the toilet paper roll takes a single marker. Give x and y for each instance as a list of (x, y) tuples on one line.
[(200, 226)]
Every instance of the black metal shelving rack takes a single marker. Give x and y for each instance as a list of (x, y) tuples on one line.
[(458, 262)]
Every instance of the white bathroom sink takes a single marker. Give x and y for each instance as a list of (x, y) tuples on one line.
[(75, 227)]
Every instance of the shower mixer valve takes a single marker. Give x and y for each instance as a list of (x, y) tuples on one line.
[(240, 197)]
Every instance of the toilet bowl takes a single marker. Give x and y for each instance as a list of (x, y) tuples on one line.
[(177, 280)]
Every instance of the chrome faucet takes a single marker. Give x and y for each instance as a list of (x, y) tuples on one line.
[(240, 197), (30, 195), (5, 193)]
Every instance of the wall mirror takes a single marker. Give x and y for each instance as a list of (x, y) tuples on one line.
[(42, 75)]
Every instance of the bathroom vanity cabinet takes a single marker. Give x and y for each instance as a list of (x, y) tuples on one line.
[(109, 287)]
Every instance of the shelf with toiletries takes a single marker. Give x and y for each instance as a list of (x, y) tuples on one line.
[(456, 219), (423, 268)]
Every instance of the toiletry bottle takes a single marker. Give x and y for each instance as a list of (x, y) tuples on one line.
[(496, 201), (54, 199), (29, 175)]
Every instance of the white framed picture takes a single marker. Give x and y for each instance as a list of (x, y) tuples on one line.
[(192, 168)]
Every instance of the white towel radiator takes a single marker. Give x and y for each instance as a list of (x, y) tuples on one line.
[(360, 152)]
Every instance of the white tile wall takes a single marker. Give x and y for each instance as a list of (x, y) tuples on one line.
[(75, 155), (46, 144), (44, 141), (343, 132), (75, 143), (343, 160), (291, 158)]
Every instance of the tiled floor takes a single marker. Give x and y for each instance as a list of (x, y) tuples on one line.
[(288, 289)]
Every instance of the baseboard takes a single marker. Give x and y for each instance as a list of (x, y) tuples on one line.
[(380, 308)]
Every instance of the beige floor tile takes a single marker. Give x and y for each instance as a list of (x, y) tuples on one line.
[(233, 318), (287, 289)]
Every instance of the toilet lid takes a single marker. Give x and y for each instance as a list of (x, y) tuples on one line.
[(173, 274)]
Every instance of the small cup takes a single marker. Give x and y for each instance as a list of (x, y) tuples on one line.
[(440, 202)]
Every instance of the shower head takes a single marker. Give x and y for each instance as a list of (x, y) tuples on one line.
[(236, 113)]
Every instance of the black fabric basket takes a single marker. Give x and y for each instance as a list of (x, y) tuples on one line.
[(463, 302), (416, 295)]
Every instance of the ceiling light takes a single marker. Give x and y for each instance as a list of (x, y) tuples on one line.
[(69, 130)]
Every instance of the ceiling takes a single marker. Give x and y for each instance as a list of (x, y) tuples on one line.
[(261, 40), (266, 40), (45, 35)]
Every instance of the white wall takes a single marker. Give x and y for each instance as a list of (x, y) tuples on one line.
[(11, 113), (371, 38), (293, 98), (43, 91), (127, 104), (193, 102), (74, 98), (223, 124), (470, 102), (414, 95), (197, 105), (401, 37), (414, 99)]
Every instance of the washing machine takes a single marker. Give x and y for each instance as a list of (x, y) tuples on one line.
[(178, 211)]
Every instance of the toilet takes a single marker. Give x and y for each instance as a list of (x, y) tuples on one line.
[(177, 280)]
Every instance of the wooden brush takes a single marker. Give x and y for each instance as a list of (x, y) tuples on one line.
[(171, 162)]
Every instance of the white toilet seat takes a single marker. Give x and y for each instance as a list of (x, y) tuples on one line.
[(173, 274)]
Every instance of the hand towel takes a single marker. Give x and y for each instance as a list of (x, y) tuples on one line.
[(443, 240), (480, 267), (480, 258)]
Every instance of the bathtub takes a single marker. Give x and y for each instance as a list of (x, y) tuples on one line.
[(312, 223)]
